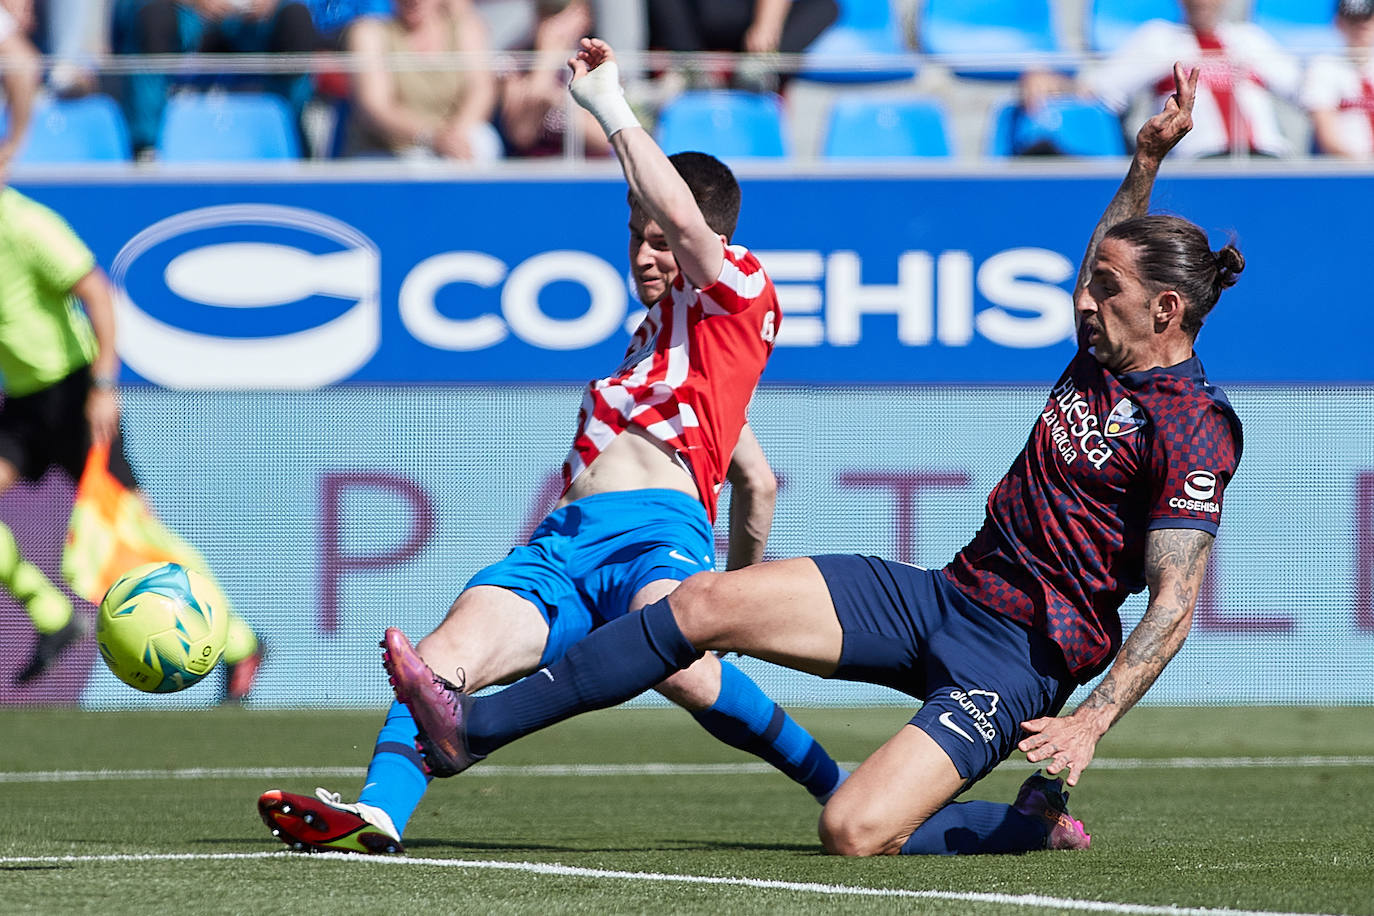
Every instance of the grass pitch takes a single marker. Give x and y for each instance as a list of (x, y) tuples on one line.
[(1237, 810)]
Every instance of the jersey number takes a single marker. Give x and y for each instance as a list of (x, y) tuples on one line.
[(768, 331)]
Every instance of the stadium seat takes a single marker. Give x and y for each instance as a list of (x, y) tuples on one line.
[(885, 126), (988, 39), (89, 129), (727, 123), (1066, 126), (1302, 26), (1110, 22), (226, 127), (864, 45)]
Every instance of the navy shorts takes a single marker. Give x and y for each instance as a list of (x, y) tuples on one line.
[(585, 561), (979, 674)]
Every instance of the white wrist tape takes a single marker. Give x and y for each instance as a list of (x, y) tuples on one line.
[(599, 92)]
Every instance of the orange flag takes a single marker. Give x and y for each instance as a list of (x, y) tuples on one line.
[(112, 530)]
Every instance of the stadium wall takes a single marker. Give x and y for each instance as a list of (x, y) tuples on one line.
[(352, 394)]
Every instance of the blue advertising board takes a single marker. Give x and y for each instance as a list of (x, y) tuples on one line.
[(300, 284)]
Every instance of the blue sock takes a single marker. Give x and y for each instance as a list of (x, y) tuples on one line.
[(744, 717), (613, 663), (966, 828), (396, 778)]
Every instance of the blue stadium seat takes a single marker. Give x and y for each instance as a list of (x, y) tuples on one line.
[(885, 126), (1301, 26), (1110, 22), (227, 127), (864, 45), (89, 129), (1067, 125), (727, 123), (987, 32)]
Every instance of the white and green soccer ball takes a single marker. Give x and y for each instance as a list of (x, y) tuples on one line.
[(162, 627)]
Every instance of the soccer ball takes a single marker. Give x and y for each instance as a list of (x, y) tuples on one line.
[(162, 627)]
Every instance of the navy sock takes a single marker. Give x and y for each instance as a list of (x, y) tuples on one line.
[(396, 778), (966, 828), (609, 666), (744, 717)]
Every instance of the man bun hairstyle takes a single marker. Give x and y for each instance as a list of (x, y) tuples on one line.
[(1173, 253), (1230, 262), (713, 187)]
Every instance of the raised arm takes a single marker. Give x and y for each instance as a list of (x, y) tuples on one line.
[(654, 184), (1156, 137), (753, 494), (1175, 561)]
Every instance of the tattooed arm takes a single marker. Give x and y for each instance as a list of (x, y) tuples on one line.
[(1156, 137), (1175, 560)]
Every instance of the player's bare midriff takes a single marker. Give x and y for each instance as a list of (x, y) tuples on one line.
[(634, 461)]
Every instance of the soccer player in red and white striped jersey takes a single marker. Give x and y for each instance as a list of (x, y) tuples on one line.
[(691, 366), (656, 440)]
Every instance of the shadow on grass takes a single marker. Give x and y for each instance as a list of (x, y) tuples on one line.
[(668, 845), (470, 845)]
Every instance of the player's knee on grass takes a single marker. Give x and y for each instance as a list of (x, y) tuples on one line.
[(848, 830)]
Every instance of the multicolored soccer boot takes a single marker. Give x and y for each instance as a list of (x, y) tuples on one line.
[(437, 705), (1048, 800), (326, 823)]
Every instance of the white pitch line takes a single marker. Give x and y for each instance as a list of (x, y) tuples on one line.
[(542, 868), (636, 769)]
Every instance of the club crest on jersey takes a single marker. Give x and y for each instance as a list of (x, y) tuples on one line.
[(1126, 417)]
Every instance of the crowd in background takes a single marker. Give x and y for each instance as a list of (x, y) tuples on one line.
[(495, 108)]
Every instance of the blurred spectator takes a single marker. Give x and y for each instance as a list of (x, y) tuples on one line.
[(424, 112), (1339, 91), (1243, 70), (333, 17), (737, 25), (623, 24), (535, 104), (24, 15), (20, 80), (757, 27), (75, 33), (210, 26)]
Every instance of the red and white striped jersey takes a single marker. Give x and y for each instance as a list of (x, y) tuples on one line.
[(688, 374)]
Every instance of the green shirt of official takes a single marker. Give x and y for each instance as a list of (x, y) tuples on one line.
[(44, 333)]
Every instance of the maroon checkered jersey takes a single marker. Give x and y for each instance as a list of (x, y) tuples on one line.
[(1110, 458), (688, 375)]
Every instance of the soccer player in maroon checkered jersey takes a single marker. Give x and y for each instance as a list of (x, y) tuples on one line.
[(1118, 488)]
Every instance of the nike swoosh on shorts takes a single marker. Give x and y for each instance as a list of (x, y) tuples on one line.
[(947, 721)]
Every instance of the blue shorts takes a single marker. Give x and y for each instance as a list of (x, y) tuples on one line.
[(979, 674), (587, 560)]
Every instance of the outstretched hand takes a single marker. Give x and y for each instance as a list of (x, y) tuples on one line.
[(1067, 742), (594, 53), (595, 86), (1162, 132)]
